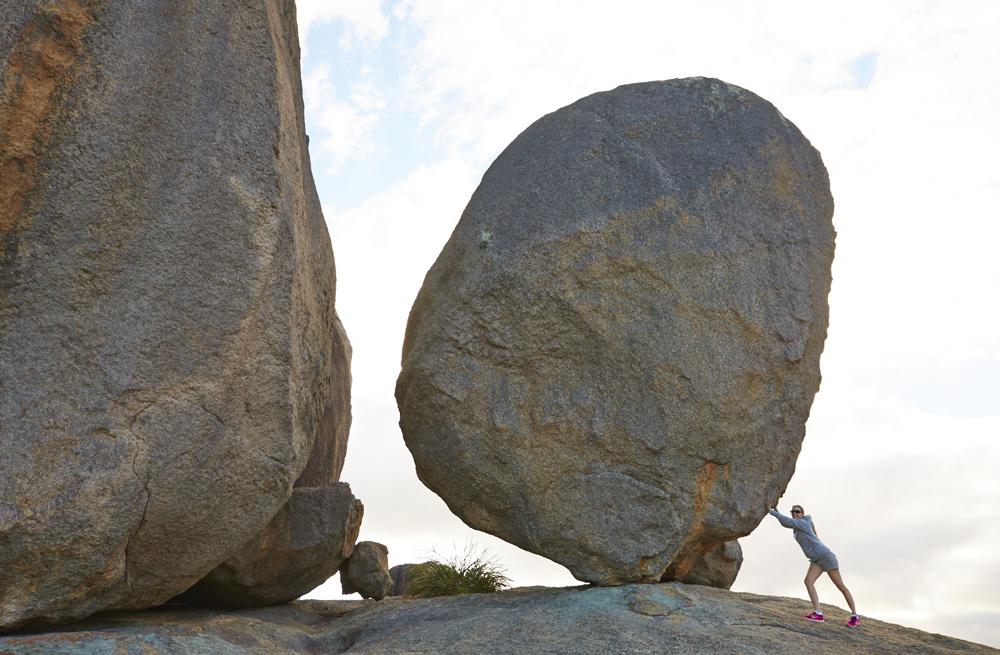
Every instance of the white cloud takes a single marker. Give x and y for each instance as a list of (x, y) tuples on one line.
[(383, 249), (485, 71), (364, 20), (347, 126)]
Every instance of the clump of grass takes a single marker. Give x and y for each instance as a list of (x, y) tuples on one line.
[(471, 572)]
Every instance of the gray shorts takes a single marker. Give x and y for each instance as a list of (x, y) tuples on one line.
[(827, 562)]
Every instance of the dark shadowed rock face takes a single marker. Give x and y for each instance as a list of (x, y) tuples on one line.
[(167, 324), (366, 572), (612, 360), (303, 545), (400, 579), (718, 567), (633, 619)]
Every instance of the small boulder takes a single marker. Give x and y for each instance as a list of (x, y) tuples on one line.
[(718, 567), (366, 571)]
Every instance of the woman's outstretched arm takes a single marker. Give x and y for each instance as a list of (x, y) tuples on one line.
[(788, 521)]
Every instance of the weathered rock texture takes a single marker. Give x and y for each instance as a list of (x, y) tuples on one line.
[(330, 448), (366, 571), (612, 360), (666, 618), (312, 534), (302, 546), (718, 567), (167, 349)]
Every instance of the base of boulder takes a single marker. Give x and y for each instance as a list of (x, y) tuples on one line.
[(653, 618), (718, 567), (303, 545)]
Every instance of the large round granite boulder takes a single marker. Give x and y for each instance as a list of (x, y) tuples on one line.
[(168, 339), (612, 360)]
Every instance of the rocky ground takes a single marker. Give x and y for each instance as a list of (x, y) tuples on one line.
[(660, 618)]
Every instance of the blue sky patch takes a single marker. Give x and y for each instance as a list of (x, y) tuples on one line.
[(863, 69)]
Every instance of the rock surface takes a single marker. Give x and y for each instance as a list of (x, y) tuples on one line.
[(366, 571), (167, 349), (303, 545), (330, 448), (718, 567), (612, 360), (664, 618)]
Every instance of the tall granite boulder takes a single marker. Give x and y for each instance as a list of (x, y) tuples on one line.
[(167, 323), (718, 567), (303, 545), (613, 358)]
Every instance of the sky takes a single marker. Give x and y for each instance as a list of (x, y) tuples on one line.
[(408, 103)]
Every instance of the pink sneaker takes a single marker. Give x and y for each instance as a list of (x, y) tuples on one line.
[(815, 616), (854, 621)]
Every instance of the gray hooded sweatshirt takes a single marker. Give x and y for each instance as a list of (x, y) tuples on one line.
[(805, 534)]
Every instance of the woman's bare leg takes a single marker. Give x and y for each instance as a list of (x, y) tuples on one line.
[(811, 576), (839, 581)]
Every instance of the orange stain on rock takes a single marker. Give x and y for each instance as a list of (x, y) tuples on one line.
[(42, 61), (694, 547)]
